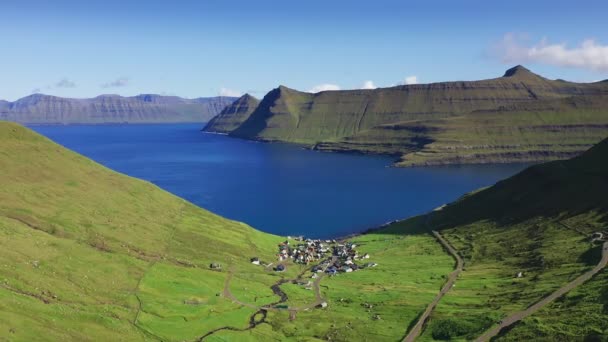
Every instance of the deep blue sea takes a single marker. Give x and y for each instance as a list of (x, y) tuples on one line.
[(277, 188)]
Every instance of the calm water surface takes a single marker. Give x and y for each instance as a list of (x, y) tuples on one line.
[(277, 188)]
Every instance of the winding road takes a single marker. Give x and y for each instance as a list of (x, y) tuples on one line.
[(518, 316), (417, 329)]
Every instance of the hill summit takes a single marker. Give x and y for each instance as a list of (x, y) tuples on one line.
[(519, 117)]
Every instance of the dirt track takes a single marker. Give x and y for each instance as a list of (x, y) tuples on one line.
[(417, 329), (518, 316)]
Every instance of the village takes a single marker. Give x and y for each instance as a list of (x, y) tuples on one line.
[(331, 257)]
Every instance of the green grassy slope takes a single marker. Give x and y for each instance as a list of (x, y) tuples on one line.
[(538, 222), (89, 254), (233, 115), (518, 117)]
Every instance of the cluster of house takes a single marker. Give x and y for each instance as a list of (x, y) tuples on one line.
[(343, 260), (336, 257), (304, 251)]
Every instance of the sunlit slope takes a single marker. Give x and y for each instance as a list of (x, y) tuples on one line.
[(539, 223), (89, 254), (520, 116)]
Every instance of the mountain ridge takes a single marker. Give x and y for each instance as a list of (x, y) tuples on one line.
[(496, 120), (111, 108), (232, 115)]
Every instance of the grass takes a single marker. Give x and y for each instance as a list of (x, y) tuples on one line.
[(579, 315), (106, 242), (374, 304), (87, 253)]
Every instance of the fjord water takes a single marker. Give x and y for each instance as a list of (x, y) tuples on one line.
[(277, 188)]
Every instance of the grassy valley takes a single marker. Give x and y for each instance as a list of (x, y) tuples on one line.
[(88, 254)]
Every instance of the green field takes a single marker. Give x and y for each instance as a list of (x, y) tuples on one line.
[(89, 254)]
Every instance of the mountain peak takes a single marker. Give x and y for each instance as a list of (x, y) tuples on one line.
[(518, 71)]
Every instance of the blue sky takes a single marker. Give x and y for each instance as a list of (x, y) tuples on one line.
[(206, 48)]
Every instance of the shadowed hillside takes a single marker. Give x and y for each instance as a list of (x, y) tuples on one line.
[(233, 115), (522, 239), (518, 117)]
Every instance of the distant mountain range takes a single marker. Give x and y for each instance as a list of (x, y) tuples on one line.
[(519, 117), (145, 108)]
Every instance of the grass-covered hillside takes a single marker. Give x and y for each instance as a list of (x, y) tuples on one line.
[(518, 117), (233, 115), (540, 223), (90, 254)]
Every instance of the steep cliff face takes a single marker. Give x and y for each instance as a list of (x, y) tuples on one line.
[(520, 116), (145, 108), (233, 115)]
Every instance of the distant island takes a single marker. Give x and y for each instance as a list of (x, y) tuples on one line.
[(519, 117), (105, 109)]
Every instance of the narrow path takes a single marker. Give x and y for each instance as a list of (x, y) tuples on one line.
[(417, 329), (262, 311), (277, 291), (518, 316)]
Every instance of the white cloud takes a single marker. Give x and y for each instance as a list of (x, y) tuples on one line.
[(411, 80), (65, 83), (119, 82), (323, 87), (230, 92), (36, 91), (368, 85), (587, 55)]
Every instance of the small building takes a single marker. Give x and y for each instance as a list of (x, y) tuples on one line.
[(215, 266), (322, 305), (365, 256), (520, 275), (371, 264), (255, 261)]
